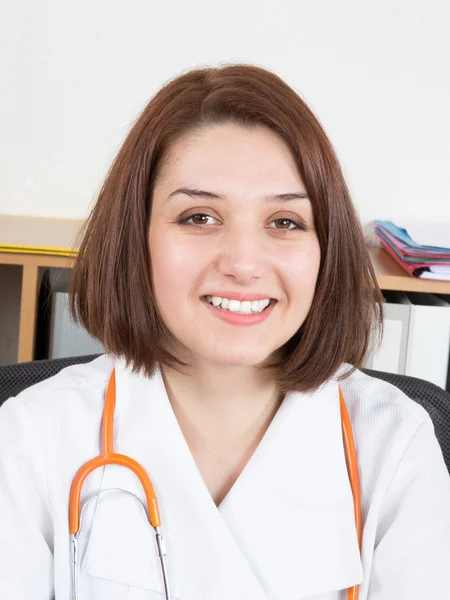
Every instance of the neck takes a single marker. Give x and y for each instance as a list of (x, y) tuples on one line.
[(220, 406)]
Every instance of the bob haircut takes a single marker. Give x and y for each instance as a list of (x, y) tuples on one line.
[(111, 291)]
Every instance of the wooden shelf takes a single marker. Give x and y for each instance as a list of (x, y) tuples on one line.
[(35, 260), (31, 280), (19, 237), (390, 275)]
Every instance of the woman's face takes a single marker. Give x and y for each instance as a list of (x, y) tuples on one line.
[(239, 243)]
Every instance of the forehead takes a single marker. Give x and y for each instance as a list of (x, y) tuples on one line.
[(210, 156)]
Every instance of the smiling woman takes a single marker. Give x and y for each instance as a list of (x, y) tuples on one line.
[(224, 270), (232, 245), (228, 183)]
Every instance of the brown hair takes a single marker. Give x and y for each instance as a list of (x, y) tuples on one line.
[(111, 288)]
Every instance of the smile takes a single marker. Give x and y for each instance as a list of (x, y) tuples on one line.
[(239, 317), (245, 307)]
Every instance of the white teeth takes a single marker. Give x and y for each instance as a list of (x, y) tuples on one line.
[(235, 305), (246, 307)]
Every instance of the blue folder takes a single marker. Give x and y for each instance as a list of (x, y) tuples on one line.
[(402, 235)]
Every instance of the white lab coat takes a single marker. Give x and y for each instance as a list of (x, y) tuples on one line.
[(285, 531)]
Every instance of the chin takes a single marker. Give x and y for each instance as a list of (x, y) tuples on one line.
[(237, 359)]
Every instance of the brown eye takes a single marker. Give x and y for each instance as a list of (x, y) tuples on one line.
[(284, 222), (197, 219), (286, 225), (201, 219)]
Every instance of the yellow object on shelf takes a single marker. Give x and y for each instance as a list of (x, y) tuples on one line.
[(29, 250)]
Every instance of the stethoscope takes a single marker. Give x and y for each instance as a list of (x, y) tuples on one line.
[(109, 457)]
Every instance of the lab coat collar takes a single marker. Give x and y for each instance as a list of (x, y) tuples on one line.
[(285, 530)]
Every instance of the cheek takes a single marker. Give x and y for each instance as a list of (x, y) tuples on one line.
[(302, 269), (174, 267)]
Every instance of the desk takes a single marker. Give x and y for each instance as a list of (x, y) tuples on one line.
[(390, 276)]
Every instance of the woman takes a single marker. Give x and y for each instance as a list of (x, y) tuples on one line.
[(224, 269)]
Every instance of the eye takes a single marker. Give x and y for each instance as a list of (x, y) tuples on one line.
[(289, 221), (185, 220)]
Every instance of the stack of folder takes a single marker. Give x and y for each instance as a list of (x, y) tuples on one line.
[(38, 235), (422, 250)]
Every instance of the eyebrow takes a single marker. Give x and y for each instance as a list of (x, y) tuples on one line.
[(194, 193)]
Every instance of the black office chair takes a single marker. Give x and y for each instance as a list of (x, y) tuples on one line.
[(15, 378)]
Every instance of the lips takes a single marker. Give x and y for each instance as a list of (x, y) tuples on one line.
[(236, 318)]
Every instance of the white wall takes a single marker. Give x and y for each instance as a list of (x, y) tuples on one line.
[(76, 74)]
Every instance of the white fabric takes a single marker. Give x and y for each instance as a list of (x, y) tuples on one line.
[(285, 531)]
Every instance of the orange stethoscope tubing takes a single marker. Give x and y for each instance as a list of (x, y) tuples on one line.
[(353, 473), (109, 457)]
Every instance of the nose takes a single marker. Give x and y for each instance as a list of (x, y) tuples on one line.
[(242, 254)]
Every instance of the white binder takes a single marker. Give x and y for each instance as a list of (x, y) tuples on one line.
[(427, 355), (390, 355), (66, 337)]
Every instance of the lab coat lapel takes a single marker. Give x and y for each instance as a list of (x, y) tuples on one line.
[(285, 530), (291, 510)]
